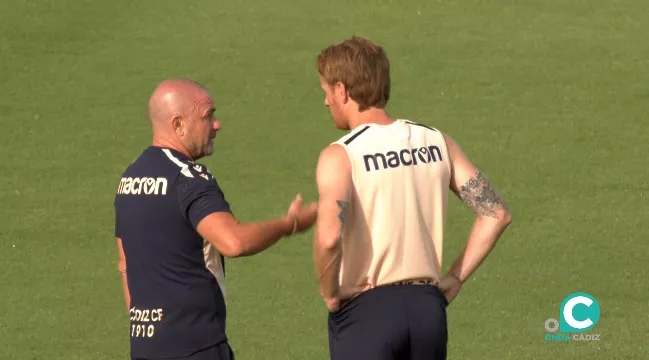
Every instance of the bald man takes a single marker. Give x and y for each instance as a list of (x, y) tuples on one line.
[(174, 228)]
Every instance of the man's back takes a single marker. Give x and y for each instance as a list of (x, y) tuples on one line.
[(383, 190), (394, 230), (175, 278)]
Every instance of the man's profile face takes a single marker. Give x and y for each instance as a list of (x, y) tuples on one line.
[(201, 126), (335, 105)]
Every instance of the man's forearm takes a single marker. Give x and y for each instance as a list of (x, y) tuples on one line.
[(327, 262), (483, 237), (257, 237), (127, 294), (121, 267)]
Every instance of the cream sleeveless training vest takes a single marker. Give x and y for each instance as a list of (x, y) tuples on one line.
[(395, 225)]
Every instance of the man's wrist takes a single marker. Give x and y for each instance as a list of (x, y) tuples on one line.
[(329, 292), (457, 277), (291, 224), (329, 299)]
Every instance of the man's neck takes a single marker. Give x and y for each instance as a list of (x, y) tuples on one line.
[(166, 143), (370, 116)]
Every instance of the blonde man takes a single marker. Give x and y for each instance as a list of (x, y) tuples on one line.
[(383, 190)]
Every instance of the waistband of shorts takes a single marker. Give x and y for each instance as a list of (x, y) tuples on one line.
[(420, 281)]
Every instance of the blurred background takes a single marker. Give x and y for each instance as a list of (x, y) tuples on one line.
[(548, 97)]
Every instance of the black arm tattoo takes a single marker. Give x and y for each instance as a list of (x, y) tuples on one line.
[(342, 215), (480, 196)]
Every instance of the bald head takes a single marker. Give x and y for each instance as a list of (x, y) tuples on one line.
[(173, 96), (181, 112)]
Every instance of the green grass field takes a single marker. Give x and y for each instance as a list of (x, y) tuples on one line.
[(550, 98)]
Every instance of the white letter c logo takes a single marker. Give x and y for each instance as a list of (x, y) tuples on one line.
[(567, 312)]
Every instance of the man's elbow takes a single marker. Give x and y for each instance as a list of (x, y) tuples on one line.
[(121, 267), (505, 217), (499, 219), (233, 248), (330, 242)]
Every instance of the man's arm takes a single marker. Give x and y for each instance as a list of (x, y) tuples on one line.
[(204, 205), (121, 266), (492, 215), (334, 187), (234, 239)]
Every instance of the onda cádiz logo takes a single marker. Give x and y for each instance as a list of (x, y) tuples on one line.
[(579, 312)]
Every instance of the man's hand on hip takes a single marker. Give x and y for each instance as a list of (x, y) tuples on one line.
[(333, 304), (450, 286)]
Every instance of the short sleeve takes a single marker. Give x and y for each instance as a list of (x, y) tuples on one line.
[(200, 195)]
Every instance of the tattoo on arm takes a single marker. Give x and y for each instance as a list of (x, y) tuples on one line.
[(480, 196), (342, 215)]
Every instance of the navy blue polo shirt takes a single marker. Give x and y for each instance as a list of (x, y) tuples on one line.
[(175, 277)]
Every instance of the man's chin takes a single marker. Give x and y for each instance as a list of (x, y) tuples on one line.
[(208, 151), (342, 126)]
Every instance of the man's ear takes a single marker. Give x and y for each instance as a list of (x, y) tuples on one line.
[(177, 123), (341, 91)]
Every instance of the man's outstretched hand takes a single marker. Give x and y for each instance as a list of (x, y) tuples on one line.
[(302, 216)]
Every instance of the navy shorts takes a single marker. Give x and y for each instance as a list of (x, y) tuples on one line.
[(391, 322), (220, 351)]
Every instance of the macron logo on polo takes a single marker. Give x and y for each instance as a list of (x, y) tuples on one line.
[(142, 186), (404, 157)]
